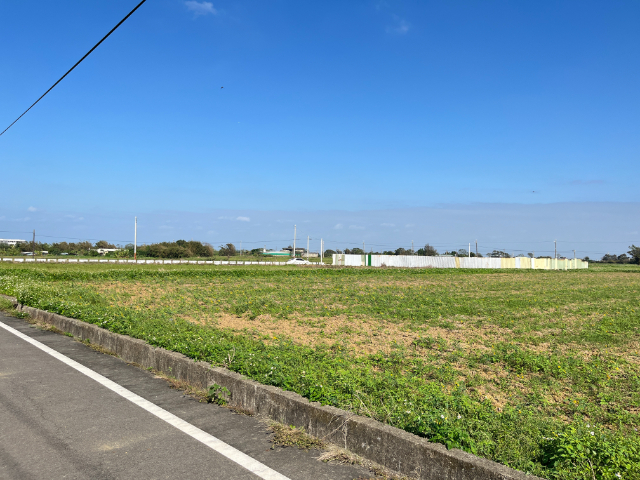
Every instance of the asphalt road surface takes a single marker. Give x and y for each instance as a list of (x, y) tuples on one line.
[(59, 422)]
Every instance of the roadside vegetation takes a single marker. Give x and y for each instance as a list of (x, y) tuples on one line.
[(538, 370), (180, 249)]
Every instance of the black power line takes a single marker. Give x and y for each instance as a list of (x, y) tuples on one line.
[(77, 63)]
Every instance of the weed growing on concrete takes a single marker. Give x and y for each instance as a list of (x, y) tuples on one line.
[(290, 436), (218, 394)]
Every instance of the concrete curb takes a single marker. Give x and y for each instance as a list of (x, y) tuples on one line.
[(388, 446)]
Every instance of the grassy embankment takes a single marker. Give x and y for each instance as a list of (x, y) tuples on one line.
[(537, 370)]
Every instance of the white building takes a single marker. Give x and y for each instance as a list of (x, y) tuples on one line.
[(104, 251), (12, 242)]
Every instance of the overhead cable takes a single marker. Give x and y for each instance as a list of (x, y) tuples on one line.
[(77, 63)]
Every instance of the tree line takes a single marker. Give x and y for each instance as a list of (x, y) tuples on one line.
[(177, 249), (193, 248), (632, 256)]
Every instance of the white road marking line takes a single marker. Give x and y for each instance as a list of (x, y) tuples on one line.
[(210, 441)]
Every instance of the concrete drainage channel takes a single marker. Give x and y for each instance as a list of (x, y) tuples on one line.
[(388, 446)]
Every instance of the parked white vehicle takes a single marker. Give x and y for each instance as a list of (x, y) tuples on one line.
[(298, 261)]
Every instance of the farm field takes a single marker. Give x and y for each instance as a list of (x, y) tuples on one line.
[(538, 370)]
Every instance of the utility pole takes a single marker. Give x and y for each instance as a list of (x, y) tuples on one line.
[(294, 240), (135, 239), (469, 250), (411, 247), (476, 248), (321, 251), (307, 248), (33, 251), (574, 254), (363, 250), (555, 249)]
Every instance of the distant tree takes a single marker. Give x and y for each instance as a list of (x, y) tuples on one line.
[(427, 251), (402, 251), (530, 255), (609, 258), (635, 254), (586, 259), (228, 250), (388, 252), (623, 258), (328, 253), (104, 244), (80, 248), (357, 251), (499, 254), (198, 249), (347, 251)]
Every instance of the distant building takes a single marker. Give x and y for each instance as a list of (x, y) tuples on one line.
[(104, 251), (281, 253), (12, 242), (299, 251)]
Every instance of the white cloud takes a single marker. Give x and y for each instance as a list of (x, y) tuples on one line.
[(201, 8), (32, 209), (243, 219), (338, 226), (409, 225), (387, 225), (356, 227), (400, 27)]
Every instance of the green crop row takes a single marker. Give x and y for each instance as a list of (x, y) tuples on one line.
[(566, 366)]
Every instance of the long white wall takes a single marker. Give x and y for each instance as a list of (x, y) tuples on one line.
[(414, 261)]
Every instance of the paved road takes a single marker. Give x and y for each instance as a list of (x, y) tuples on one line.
[(56, 422)]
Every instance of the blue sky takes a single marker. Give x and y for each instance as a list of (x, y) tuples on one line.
[(332, 113)]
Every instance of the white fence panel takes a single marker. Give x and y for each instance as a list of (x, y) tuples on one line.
[(411, 261), (354, 260)]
